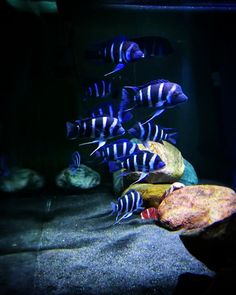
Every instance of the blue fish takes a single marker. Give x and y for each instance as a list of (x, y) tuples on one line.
[(117, 151), (75, 162), (141, 161), (159, 94), (153, 46), (119, 51), (153, 132), (101, 89), (99, 128), (131, 202), (110, 109)]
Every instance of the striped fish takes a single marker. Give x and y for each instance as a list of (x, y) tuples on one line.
[(127, 204), (110, 109), (75, 162), (150, 213), (118, 150), (141, 161), (154, 45), (150, 131), (160, 94), (101, 89), (119, 52), (99, 128)]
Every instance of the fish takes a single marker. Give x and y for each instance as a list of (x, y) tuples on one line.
[(117, 151), (160, 94), (141, 161), (154, 45), (111, 110), (99, 128), (129, 203), (4, 169), (149, 213), (150, 131), (101, 89), (119, 51), (75, 162)]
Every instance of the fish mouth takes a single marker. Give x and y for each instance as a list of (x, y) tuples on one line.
[(182, 98), (121, 131), (138, 54)]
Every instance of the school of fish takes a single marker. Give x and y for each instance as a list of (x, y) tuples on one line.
[(104, 124)]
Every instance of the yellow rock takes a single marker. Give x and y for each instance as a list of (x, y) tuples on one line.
[(151, 193)]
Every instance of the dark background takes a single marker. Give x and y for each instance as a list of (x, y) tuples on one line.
[(43, 70)]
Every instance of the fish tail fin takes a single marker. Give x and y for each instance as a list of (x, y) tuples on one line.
[(126, 94), (113, 208), (172, 137), (114, 166), (71, 130)]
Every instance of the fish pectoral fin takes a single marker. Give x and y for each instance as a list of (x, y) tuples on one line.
[(84, 143), (118, 68), (101, 143), (125, 216), (142, 176), (159, 104), (156, 114)]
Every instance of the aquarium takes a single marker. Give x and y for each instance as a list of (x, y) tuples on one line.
[(117, 147)]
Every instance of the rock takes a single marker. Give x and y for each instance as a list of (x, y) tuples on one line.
[(196, 206), (83, 178), (214, 244), (152, 194), (20, 179), (189, 176), (172, 171)]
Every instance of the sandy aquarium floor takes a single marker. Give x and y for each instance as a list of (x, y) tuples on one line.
[(67, 244)]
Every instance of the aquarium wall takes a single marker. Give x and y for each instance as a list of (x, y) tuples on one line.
[(44, 69)]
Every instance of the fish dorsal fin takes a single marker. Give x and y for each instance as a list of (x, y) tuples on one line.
[(158, 81)]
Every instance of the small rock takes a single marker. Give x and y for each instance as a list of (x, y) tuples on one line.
[(20, 179), (196, 206), (84, 178)]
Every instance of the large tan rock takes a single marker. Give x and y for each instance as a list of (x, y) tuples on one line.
[(171, 172), (196, 206)]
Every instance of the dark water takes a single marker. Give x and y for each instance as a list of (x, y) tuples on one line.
[(43, 70)]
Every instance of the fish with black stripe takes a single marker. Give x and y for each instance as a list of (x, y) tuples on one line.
[(117, 151), (119, 51), (154, 45), (152, 132), (75, 162), (159, 94), (110, 109), (140, 161), (99, 128), (127, 205), (101, 89)]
